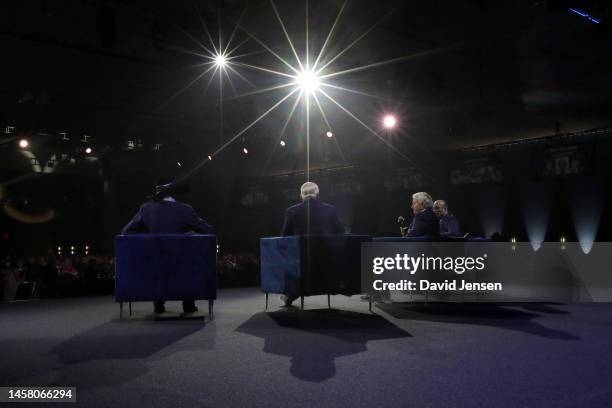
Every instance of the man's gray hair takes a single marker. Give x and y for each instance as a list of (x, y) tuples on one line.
[(309, 189), (423, 198)]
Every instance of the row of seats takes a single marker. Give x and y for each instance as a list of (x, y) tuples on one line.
[(176, 267)]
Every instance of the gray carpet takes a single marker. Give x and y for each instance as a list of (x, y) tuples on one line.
[(462, 355)]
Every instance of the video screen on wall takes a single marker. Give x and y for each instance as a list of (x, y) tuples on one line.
[(565, 161), (474, 171)]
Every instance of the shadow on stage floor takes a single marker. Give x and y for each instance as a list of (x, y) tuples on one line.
[(116, 352), (313, 339), (129, 340), (504, 315)]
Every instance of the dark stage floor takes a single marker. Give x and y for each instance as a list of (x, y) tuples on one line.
[(407, 355)]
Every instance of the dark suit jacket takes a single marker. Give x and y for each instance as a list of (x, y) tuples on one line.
[(166, 217), (323, 219), (424, 224), (449, 226)]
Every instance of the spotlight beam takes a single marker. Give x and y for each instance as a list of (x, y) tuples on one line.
[(239, 75), (246, 54), (219, 25), (234, 33), (233, 139), (230, 82), (196, 79), (210, 79), (398, 59), (336, 142), (329, 35), (284, 128), (259, 91), (217, 51), (382, 139), (197, 42), (282, 132), (308, 142), (263, 115), (269, 50), (307, 53), (322, 112), (240, 44), (243, 64), (280, 21), (190, 52), (354, 91), (348, 47)]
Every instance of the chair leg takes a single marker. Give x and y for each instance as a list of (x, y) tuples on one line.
[(120, 311), (266, 301), (211, 314), (328, 301), (301, 302), (130, 305)]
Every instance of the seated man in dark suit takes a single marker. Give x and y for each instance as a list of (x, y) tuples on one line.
[(310, 217), (449, 224), (424, 223), (164, 215)]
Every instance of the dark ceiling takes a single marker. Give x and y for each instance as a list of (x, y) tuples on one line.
[(463, 74)]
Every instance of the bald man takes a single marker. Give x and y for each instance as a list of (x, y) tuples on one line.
[(449, 224)]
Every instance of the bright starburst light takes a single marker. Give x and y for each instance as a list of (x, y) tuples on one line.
[(220, 60), (306, 82)]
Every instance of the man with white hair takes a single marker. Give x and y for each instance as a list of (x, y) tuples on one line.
[(310, 217), (424, 223)]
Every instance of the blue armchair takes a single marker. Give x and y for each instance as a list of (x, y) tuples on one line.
[(312, 265), (165, 267)]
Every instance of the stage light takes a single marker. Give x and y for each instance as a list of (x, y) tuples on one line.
[(329, 134), (88, 150), (209, 157), (562, 240), (72, 248), (389, 121), (282, 143), (245, 150), (308, 81), (220, 60), (587, 199), (513, 240), (179, 164), (23, 143), (59, 248), (535, 202)]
